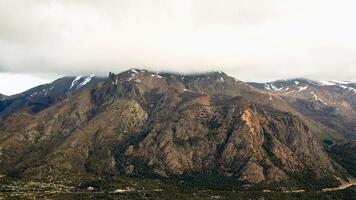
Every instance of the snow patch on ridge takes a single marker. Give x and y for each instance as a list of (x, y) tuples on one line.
[(302, 88), (221, 80), (76, 84), (156, 75), (75, 81)]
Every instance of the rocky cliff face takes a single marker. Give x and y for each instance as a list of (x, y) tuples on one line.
[(235, 139), (170, 125)]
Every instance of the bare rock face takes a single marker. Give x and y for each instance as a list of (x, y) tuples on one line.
[(274, 174), (244, 141), (166, 124), (69, 142), (252, 173)]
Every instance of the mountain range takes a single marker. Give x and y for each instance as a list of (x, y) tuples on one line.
[(287, 132)]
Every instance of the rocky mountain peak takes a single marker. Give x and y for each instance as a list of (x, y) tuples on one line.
[(153, 85)]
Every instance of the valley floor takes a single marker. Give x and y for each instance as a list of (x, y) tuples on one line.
[(137, 188)]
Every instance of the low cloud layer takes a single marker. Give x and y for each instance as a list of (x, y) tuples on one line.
[(15, 83), (250, 39)]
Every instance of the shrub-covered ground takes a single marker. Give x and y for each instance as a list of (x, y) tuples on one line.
[(151, 188)]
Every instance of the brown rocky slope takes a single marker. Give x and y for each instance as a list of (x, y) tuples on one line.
[(169, 125)]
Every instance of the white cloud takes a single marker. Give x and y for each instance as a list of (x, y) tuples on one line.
[(251, 39), (15, 83)]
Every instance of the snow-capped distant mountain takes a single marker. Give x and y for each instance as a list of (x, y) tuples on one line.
[(280, 85), (325, 92), (331, 102), (40, 97)]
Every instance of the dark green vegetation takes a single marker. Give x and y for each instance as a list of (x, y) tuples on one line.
[(348, 194), (345, 154), (150, 188)]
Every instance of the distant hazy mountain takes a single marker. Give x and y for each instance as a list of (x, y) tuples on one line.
[(43, 96)]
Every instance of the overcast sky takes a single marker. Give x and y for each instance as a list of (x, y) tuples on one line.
[(255, 40)]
